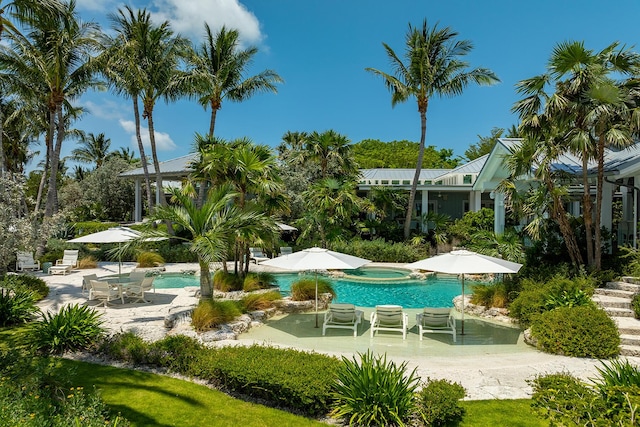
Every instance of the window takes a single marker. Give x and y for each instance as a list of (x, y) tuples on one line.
[(466, 180)]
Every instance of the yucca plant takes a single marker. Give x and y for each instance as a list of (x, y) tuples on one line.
[(16, 306), (211, 313), (75, 327), (618, 372), (259, 301), (374, 391), (305, 289)]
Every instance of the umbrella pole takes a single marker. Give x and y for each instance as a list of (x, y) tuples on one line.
[(316, 299), (462, 333)]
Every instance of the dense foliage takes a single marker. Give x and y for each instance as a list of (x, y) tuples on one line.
[(583, 331), (464, 229), (379, 250), (26, 282), (372, 153), (438, 403), (16, 306), (374, 392)]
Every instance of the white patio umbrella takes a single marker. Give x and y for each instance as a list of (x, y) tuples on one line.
[(314, 259), (463, 262), (112, 235)]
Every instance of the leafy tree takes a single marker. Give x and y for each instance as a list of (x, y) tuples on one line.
[(432, 66), (484, 145), (373, 153)]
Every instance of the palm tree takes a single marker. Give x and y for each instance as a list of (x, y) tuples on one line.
[(93, 149), (55, 57), (330, 147), (121, 66), (219, 69), (126, 154), (432, 66)]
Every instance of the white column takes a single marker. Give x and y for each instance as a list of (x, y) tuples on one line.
[(158, 192), (475, 200), (606, 215), (498, 213), (575, 208), (425, 207), (137, 210)]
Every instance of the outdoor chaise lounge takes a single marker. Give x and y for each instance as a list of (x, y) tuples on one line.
[(389, 318), (25, 261), (66, 264), (105, 292), (342, 316), (436, 321), (256, 255), (286, 250), (137, 290)]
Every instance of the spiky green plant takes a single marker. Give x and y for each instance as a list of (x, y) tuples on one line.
[(74, 327), (305, 289), (16, 306), (259, 301), (211, 313)]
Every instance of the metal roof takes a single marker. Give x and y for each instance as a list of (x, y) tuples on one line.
[(400, 174), (178, 167)]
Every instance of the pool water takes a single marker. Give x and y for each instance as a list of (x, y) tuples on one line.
[(435, 291)]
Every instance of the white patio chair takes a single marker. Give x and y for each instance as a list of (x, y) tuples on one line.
[(389, 318), (342, 316), (256, 255), (86, 282), (70, 257), (105, 292), (25, 261), (137, 290), (436, 321)]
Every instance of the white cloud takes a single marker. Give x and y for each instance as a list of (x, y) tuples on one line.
[(163, 140), (106, 109), (188, 17), (95, 5)]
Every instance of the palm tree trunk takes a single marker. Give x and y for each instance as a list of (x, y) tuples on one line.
[(51, 206), (156, 165), (416, 176), (597, 222), (212, 122), (588, 211), (143, 156), (569, 236), (206, 286), (2, 156)]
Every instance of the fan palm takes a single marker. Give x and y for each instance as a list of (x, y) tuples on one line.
[(432, 66), (93, 149), (327, 147)]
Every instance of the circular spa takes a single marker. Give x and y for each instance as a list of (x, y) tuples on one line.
[(365, 287)]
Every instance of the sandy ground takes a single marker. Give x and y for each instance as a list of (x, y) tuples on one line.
[(485, 369)]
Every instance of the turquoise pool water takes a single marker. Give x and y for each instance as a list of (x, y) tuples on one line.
[(435, 291)]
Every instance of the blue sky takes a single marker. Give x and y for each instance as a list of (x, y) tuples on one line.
[(321, 50)]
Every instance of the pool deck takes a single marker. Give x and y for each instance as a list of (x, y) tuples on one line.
[(491, 360)]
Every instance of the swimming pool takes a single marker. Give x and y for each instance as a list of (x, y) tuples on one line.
[(435, 291)]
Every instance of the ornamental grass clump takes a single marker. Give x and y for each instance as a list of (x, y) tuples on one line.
[(226, 282), (374, 392), (256, 281), (305, 289), (74, 327), (211, 313), (149, 259), (259, 301)]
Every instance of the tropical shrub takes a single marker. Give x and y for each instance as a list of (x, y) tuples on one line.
[(176, 253), (25, 282), (573, 298), (82, 228), (226, 282), (584, 331), (74, 327), (149, 259), (255, 281), (464, 228), (305, 289), (438, 403), (298, 380), (16, 306), (125, 346), (616, 373), (178, 353), (374, 391), (210, 313), (379, 250), (492, 295), (259, 301)]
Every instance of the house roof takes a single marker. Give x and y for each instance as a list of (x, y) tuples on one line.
[(174, 168)]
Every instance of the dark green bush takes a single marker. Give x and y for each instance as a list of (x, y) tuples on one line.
[(125, 346), (259, 301), (16, 307), (297, 380), (374, 391), (584, 331), (26, 282), (464, 228), (176, 253), (211, 313), (379, 250), (438, 403), (75, 327), (88, 227), (227, 282), (305, 289), (178, 353)]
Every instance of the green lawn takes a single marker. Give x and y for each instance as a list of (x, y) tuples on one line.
[(501, 413)]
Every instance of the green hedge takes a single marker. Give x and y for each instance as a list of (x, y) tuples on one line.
[(584, 331), (37, 286), (379, 250)]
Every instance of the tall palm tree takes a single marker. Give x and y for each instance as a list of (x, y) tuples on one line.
[(93, 149), (55, 56), (330, 147), (121, 61), (219, 69), (432, 66)]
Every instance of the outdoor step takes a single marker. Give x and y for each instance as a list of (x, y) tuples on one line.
[(605, 301), (623, 286), (619, 312), (630, 279), (629, 350), (621, 293), (628, 325), (626, 339)]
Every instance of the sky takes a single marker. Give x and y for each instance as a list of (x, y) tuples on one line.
[(322, 47)]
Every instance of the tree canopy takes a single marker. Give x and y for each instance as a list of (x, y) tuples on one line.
[(373, 153)]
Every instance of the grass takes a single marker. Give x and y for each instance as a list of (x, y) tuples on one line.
[(501, 413)]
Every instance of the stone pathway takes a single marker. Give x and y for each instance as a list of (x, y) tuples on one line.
[(615, 298)]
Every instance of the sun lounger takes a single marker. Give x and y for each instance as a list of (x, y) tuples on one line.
[(25, 261), (61, 269), (436, 321), (389, 318), (342, 316), (256, 255)]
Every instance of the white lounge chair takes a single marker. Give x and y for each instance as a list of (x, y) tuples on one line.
[(389, 318), (286, 250), (25, 261), (68, 262), (256, 255), (105, 292), (137, 290), (86, 282), (342, 316), (436, 321)]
